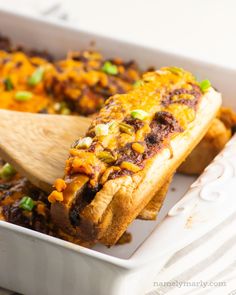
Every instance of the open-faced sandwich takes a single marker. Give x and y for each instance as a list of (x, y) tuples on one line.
[(120, 170)]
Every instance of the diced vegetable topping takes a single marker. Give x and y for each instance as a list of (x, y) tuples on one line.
[(23, 95), (112, 125), (139, 114), (7, 171), (139, 148), (62, 108), (8, 84), (126, 128), (36, 77), (175, 70), (65, 111), (109, 68), (138, 83), (130, 166), (106, 156), (26, 203), (84, 142), (102, 129), (55, 196), (60, 185), (205, 85)]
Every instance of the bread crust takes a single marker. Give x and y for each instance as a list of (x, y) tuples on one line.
[(213, 142), (152, 209)]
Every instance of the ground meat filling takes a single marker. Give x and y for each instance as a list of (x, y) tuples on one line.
[(81, 202), (163, 126), (136, 123), (193, 95), (10, 196)]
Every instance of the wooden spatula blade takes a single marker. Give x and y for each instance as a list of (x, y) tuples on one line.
[(37, 144)]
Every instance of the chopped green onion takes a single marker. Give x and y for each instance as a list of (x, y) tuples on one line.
[(62, 108), (63, 105), (175, 70), (138, 83), (23, 95), (65, 111), (26, 203), (8, 84), (84, 142), (7, 171), (205, 85), (36, 77), (109, 68), (102, 129), (126, 128), (139, 114), (106, 157), (112, 125)]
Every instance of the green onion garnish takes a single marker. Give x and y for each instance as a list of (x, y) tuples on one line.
[(26, 203), (205, 85), (23, 95), (8, 84), (102, 129), (109, 68), (7, 171), (139, 114), (126, 128), (138, 83), (175, 70), (62, 108), (36, 77), (65, 111), (106, 157), (84, 142)]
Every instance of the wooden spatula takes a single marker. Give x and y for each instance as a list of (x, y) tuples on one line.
[(37, 144)]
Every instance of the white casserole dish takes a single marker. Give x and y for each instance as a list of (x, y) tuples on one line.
[(34, 263)]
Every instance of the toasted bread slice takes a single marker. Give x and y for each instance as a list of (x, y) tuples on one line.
[(213, 142), (152, 209)]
